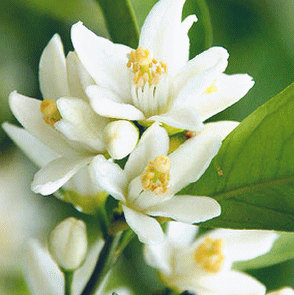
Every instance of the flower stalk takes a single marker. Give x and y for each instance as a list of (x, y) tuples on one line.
[(68, 276)]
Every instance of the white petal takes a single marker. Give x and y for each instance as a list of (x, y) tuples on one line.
[(52, 70), (27, 111), (165, 35), (191, 159), (188, 209), (154, 142), (82, 184), (147, 228), (80, 123), (51, 177), (228, 283), (78, 77), (181, 234), (83, 274), (182, 118), (39, 153), (41, 272), (284, 291), (244, 244), (145, 199), (221, 128), (109, 176), (105, 61), (230, 89), (106, 103), (159, 256), (198, 75)]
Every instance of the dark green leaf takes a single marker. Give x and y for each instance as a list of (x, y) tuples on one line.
[(121, 22), (252, 177)]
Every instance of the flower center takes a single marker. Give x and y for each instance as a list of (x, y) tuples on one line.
[(50, 111), (156, 175), (145, 68), (209, 255)]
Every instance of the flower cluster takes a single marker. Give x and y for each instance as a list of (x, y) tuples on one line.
[(107, 102), (97, 99)]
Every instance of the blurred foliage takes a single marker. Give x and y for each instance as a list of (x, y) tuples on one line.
[(257, 33)]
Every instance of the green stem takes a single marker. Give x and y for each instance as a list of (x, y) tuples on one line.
[(111, 251), (121, 22), (68, 275), (208, 41)]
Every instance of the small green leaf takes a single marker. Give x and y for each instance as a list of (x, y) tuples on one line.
[(252, 176), (282, 250), (121, 22)]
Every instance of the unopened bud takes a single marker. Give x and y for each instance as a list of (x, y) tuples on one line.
[(121, 138), (68, 243)]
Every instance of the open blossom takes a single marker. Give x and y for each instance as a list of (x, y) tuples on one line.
[(156, 82), (204, 266), (147, 186), (64, 123)]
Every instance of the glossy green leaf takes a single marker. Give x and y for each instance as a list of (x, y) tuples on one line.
[(120, 21), (282, 250), (252, 176)]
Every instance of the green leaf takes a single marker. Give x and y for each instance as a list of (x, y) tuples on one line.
[(252, 176), (282, 250), (121, 22)]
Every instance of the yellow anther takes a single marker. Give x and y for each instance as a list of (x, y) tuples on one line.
[(50, 111), (143, 67), (209, 255), (211, 89), (156, 175)]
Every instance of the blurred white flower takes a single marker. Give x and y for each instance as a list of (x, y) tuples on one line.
[(68, 243), (22, 214), (67, 125), (284, 291), (204, 266), (150, 179), (156, 82)]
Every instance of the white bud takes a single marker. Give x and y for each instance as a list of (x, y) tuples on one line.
[(120, 138), (68, 243)]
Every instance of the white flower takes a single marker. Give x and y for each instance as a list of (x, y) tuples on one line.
[(68, 243), (71, 130), (147, 186), (43, 276), (284, 291), (156, 82), (204, 265), (17, 206)]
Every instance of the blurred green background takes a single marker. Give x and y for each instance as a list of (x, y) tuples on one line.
[(257, 33)]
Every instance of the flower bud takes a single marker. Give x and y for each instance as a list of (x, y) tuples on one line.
[(120, 138), (68, 243)]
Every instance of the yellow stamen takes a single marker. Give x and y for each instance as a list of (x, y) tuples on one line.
[(209, 255), (212, 88), (50, 111), (145, 68), (156, 175)]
